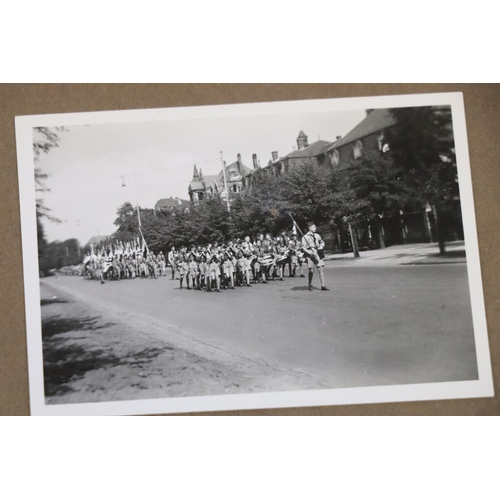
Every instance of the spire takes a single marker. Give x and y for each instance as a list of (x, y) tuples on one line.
[(196, 176)]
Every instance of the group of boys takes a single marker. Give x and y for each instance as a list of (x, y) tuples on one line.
[(126, 266), (242, 262)]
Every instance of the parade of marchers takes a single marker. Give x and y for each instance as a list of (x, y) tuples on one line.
[(213, 266)]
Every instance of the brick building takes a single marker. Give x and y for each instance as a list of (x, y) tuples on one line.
[(305, 154)]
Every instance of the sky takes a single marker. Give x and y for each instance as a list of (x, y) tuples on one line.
[(155, 160)]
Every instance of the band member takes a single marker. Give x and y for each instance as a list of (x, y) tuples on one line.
[(266, 259), (193, 272), (243, 270), (214, 273), (162, 264), (171, 261), (297, 256), (227, 269), (282, 257), (183, 267), (100, 267), (313, 246), (204, 272)]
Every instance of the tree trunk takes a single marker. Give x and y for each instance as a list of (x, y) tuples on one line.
[(441, 230), (354, 241), (427, 225), (380, 231)]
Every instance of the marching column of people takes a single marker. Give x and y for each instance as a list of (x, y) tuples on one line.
[(213, 267)]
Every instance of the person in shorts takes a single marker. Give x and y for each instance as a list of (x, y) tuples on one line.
[(312, 246)]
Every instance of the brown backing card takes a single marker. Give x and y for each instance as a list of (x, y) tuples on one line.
[(482, 108)]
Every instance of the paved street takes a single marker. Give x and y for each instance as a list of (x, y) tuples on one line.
[(377, 325)]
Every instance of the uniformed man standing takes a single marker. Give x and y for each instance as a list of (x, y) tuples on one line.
[(312, 246)]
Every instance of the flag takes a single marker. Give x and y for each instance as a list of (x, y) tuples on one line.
[(294, 229)]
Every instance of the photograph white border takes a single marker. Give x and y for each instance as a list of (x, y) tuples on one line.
[(483, 387)]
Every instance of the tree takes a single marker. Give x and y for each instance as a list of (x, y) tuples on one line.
[(422, 143), (307, 192), (377, 181), (44, 140)]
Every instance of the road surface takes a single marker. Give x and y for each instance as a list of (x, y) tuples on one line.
[(376, 325)]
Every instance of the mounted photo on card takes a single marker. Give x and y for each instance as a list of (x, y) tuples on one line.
[(300, 253)]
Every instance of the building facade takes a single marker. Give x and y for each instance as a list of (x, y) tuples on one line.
[(203, 186)]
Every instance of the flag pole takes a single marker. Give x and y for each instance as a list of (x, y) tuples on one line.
[(140, 228), (225, 182)]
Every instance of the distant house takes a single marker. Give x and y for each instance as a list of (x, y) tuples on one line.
[(203, 186), (170, 204), (96, 240)]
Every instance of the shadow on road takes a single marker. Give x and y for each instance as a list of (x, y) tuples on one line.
[(57, 325), (68, 354), (47, 302)]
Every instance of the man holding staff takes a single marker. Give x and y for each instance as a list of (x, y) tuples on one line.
[(312, 246)]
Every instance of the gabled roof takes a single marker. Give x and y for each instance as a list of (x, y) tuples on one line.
[(209, 180), (95, 240), (170, 202), (302, 135), (314, 149), (244, 169), (375, 121)]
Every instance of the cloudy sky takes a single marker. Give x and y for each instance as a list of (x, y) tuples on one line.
[(156, 161)]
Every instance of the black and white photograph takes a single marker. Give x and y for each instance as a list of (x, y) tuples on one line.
[(241, 256)]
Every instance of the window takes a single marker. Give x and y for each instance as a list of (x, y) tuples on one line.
[(357, 150), (380, 141), (335, 158), (382, 145)]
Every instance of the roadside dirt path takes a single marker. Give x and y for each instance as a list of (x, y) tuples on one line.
[(93, 355)]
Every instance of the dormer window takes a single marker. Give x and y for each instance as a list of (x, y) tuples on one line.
[(357, 150)]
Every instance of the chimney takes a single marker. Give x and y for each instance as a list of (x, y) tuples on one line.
[(275, 155), (254, 160), (339, 137), (238, 157), (302, 140)]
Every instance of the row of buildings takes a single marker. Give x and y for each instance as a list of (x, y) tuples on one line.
[(369, 135)]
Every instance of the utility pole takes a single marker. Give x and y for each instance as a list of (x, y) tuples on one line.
[(225, 181)]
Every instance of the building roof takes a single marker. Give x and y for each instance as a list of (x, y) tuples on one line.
[(95, 240), (209, 180), (376, 121), (314, 149), (170, 202)]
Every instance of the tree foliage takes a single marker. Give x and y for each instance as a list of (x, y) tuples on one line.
[(423, 144)]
